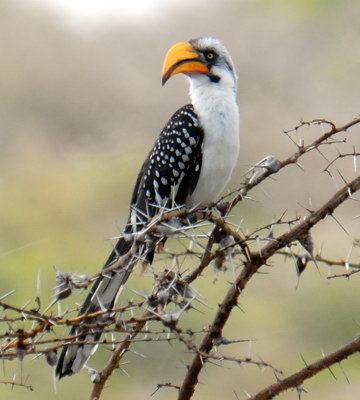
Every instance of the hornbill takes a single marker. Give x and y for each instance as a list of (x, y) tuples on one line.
[(190, 164)]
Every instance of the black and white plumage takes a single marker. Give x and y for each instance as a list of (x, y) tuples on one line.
[(189, 164), (172, 169)]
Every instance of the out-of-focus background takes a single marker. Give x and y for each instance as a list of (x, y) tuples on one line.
[(80, 105)]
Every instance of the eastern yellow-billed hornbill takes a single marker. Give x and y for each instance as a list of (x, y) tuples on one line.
[(190, 164)]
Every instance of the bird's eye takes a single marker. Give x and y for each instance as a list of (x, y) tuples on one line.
[(210, 55)]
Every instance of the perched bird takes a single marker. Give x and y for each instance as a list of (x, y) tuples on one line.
[(189, 164)]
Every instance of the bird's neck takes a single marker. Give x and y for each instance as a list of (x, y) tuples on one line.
[(212, 101), (208, 97)]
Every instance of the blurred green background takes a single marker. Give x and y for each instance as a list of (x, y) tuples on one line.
[(81, 104)]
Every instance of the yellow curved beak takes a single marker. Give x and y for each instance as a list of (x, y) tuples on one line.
[(182, 58)]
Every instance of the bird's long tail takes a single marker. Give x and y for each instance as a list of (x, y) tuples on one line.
[(102, 296)]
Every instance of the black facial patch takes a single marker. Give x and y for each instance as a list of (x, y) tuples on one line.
[(214, 78)]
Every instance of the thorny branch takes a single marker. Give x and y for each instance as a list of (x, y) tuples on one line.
[(13, 384), (226, 246), (296, 380), (256, 260), (113, 363)]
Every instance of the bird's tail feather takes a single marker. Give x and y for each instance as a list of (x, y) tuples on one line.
[(102, 296)]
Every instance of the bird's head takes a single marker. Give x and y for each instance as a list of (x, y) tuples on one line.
[(203, 60)]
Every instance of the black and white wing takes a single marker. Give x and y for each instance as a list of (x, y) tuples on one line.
[(171, 171)]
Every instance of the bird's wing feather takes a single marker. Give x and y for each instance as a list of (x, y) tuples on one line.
[(171, 171)]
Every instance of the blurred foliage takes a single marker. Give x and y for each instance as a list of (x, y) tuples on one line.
[(79, 108)]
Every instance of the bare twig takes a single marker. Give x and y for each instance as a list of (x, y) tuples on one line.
[(295, 380), (114, 361)]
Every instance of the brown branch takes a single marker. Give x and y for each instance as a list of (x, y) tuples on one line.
[(164, 385), (327, 261), (114, 361), (293, 158), (245, 360), (299, 377), (206, 258), (13, 383), (344, 275), (251, 267)]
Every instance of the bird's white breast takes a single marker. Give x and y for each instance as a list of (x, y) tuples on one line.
[(219, 117)]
